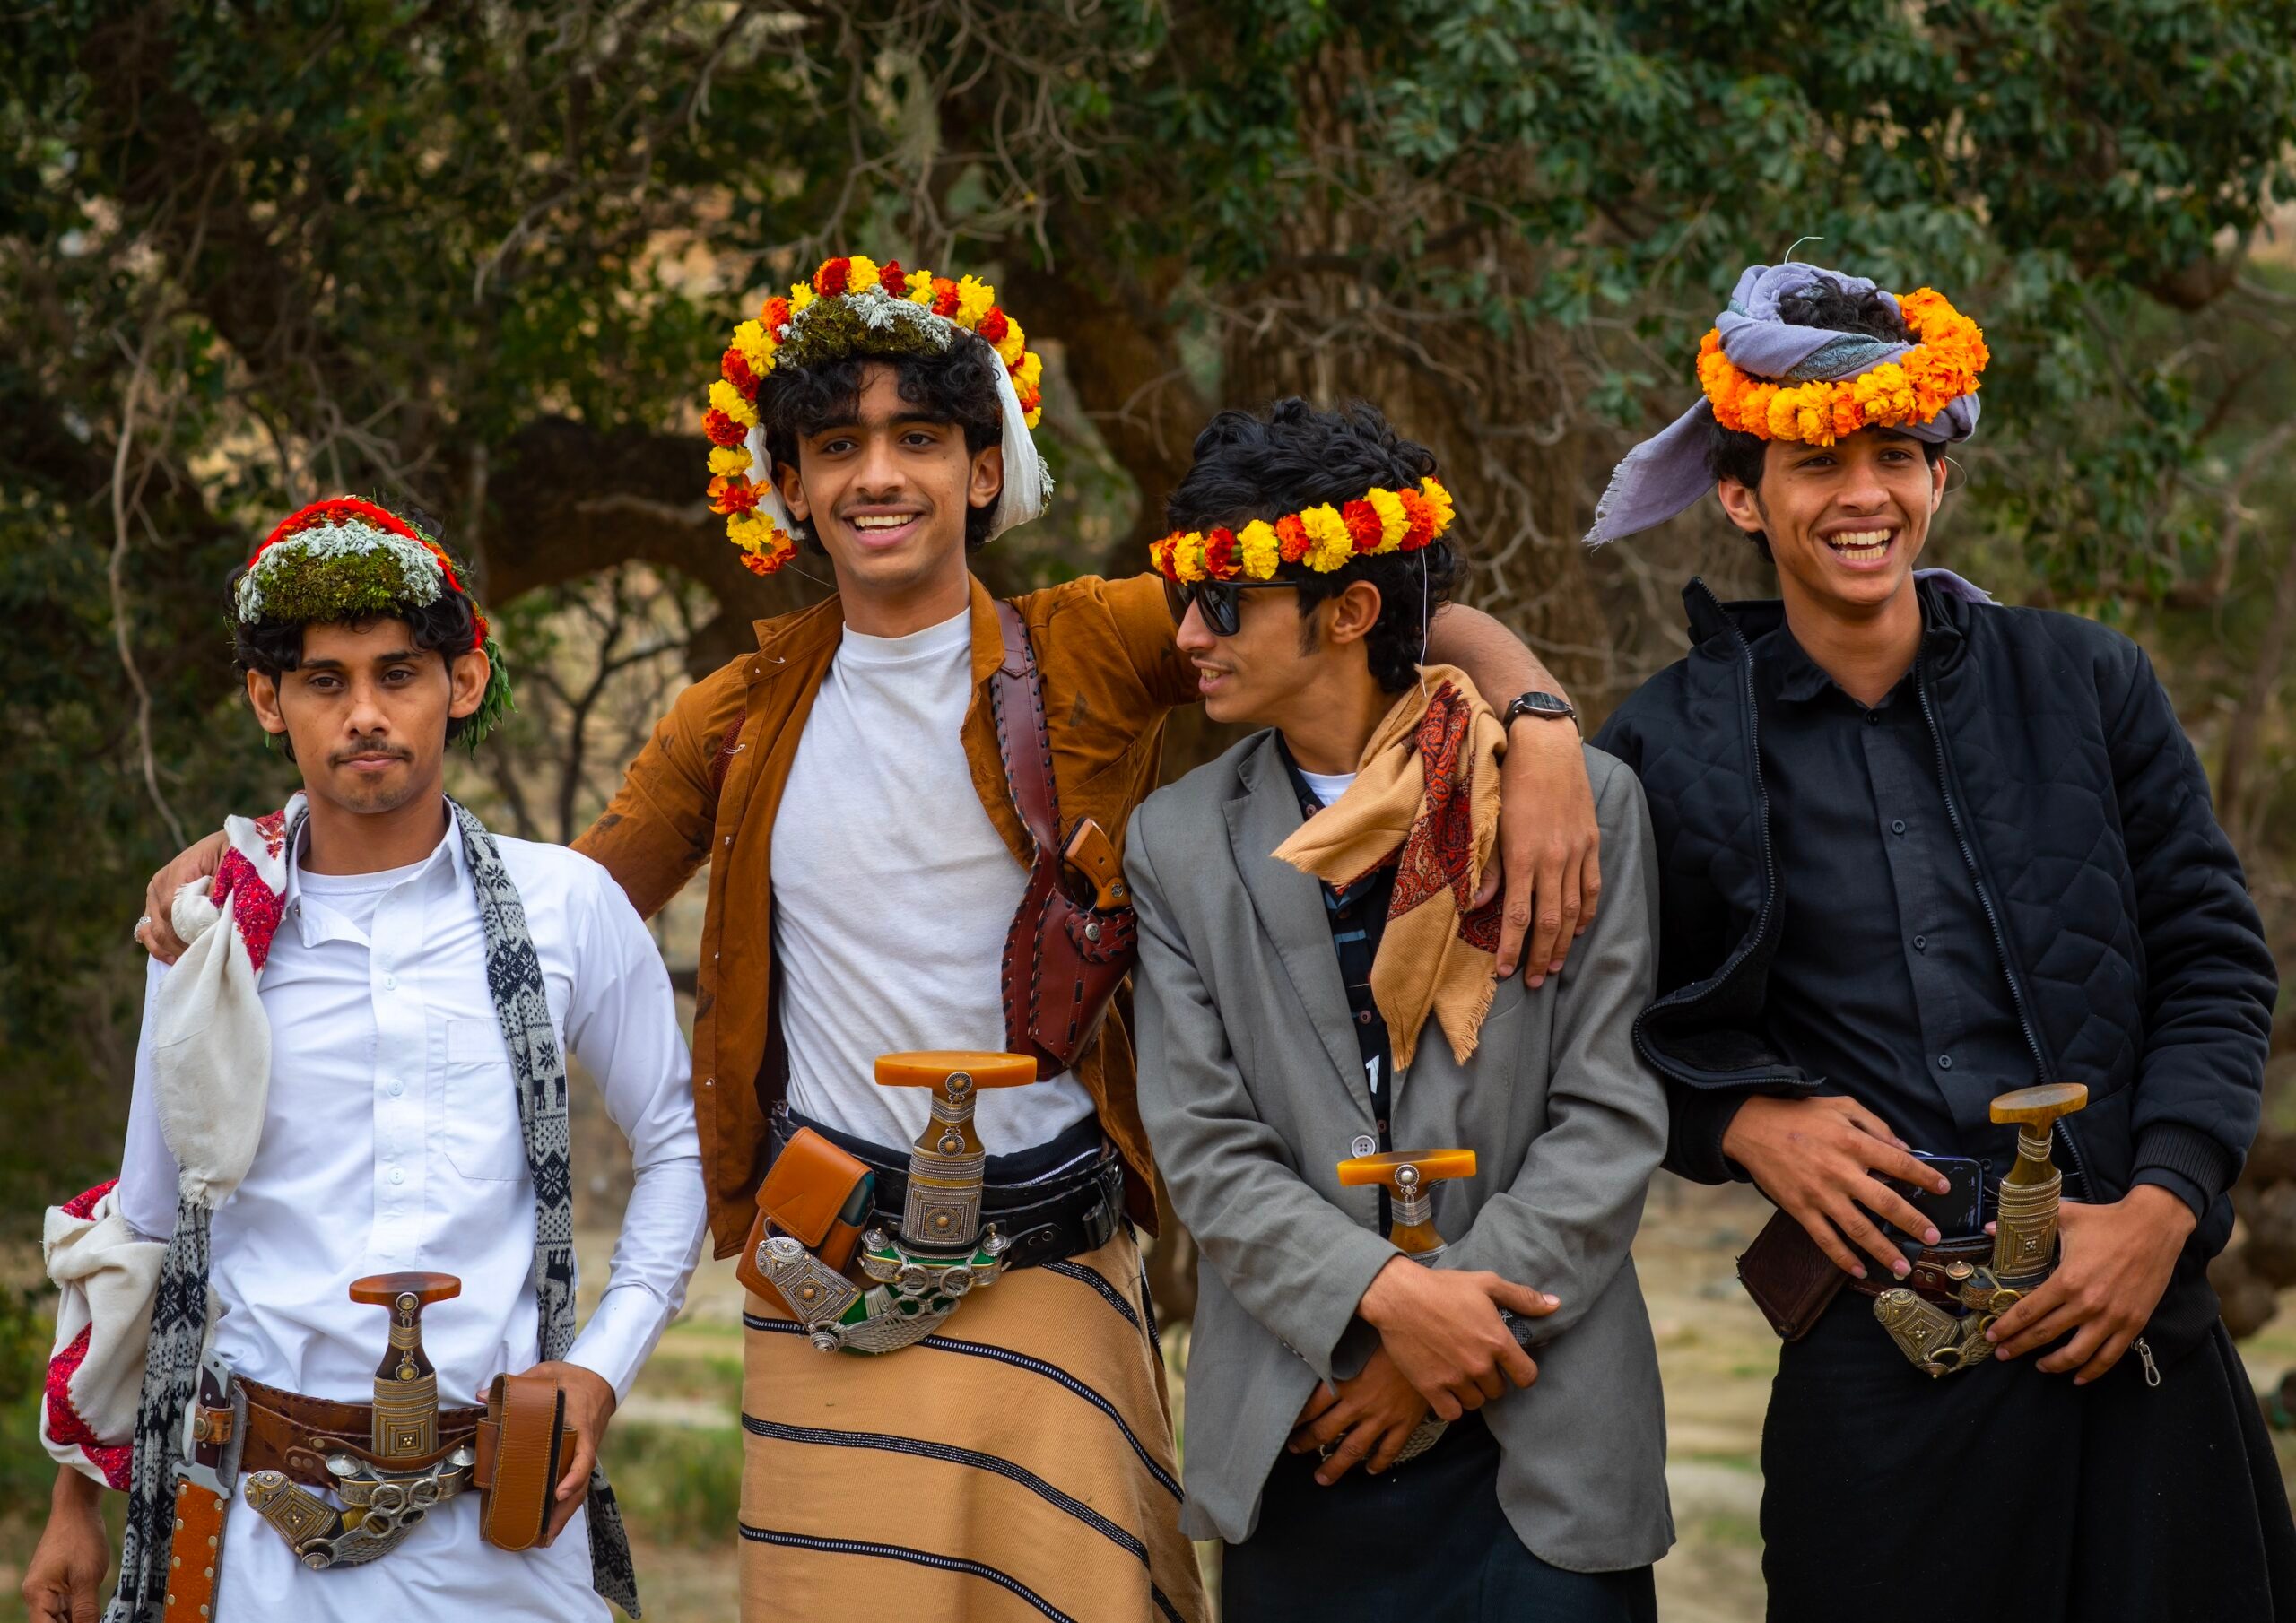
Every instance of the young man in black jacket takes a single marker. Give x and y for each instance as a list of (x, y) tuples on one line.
[(1918, 850)]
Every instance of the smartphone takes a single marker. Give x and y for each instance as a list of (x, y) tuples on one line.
[(1959, 1213)]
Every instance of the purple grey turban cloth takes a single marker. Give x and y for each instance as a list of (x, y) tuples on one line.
[(1667, 472)]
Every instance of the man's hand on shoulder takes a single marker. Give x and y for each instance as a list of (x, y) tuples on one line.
[(1441, 1328), (590, 1404), (2112, 1269), (64, 1580), (1822, 1162), (156, 930), (1550, 849)]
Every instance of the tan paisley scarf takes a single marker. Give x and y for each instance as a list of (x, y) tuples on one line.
[(1426, 798)]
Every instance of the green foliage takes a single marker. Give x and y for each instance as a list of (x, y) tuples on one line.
[(486, 256)]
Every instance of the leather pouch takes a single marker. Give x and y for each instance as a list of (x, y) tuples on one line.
[(1791, 1280), (523, 1447), (819, 1196)]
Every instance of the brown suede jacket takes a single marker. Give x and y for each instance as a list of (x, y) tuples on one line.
[(708, 786)]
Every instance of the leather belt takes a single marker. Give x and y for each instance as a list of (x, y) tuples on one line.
[(289, 1433), (1930, 1278), (1046, 1221)]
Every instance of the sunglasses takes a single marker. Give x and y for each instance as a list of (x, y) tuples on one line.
[(1216, 601)]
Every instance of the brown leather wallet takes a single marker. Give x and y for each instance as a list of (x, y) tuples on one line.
[(523, 1446), (818, 1195), (1791, 1280)]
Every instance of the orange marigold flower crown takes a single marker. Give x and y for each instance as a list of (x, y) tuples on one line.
[(1322, 538), (851, 306), (1940, 369)]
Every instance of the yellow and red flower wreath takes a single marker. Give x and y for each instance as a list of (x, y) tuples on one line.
[(1941, 368), (1323, 537), (968, 303)]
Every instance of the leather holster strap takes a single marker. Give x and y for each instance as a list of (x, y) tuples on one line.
[(289, 1432), (1929, 1279)]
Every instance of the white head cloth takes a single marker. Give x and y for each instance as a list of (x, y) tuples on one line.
[(1028, 482)]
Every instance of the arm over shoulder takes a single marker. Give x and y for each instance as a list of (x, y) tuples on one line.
[(655, 833)]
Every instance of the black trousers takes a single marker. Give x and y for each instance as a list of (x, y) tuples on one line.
[(1425, 1541), (2003, 1492)]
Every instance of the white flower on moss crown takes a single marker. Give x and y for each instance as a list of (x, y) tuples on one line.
[(425, 577)]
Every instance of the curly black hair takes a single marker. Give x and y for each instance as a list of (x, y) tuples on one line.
[(444, 626), (957, 385), (1264, 465), (1733, 455)]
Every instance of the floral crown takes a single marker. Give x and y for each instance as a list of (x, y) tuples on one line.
[(348, 559), (852, 305), (1939, 369), (1323, 537)]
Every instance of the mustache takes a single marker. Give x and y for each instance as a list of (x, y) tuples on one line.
[(369, 746)]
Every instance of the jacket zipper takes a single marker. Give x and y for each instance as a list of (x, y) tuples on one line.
[(1745, 663), (2042, 1070)]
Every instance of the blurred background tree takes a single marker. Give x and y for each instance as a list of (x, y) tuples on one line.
[(483, 255)]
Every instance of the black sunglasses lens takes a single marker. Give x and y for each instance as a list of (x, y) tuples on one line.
[(1216, 598)]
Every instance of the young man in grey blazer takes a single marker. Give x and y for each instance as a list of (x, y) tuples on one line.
[(1282, 998)]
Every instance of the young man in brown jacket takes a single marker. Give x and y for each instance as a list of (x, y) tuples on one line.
[(845, 785)]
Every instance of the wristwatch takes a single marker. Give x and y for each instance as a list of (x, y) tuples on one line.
[(1546, 707)]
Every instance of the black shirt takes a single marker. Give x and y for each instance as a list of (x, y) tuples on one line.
[(1887, 982), (1359, 918)]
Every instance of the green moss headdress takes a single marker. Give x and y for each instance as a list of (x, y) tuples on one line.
[(350, 559)]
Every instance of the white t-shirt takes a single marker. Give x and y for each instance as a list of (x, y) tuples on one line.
[(893, 893), (1328, 785)]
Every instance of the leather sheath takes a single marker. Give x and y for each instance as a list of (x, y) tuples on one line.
[(808, 1194), (523, 1446), (195, 1550)]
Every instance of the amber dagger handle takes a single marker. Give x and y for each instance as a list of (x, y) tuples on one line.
[(405, 1423), (2024, 1231), (945, 1165), (1407, 1175)]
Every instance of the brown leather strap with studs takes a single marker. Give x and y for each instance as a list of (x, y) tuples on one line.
[(194, 1554)]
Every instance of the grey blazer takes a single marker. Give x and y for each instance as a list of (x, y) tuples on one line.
[(1252, 1090)]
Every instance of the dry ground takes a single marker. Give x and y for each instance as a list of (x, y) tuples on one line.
[(675, 1452)]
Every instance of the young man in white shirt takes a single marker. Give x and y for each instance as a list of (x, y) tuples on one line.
[(420, 981)]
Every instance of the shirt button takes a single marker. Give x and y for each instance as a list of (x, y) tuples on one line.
[(1897, 825), (1921, 944), (398, 1176), (390, 983), (1873, 718), (1363, 1017), (1945, 1061), (1364, 1144), (397, 1089)]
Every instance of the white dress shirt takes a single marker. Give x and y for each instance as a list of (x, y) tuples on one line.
[(892, 894), (391, 1141)]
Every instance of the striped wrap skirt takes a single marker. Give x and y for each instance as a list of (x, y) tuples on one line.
[(1017, 1466)]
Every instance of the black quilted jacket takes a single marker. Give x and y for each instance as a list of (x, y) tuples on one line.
[(2134, 955)]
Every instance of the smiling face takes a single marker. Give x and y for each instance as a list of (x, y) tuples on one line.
[(366, 712), (888, 491), (1845, 522)]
